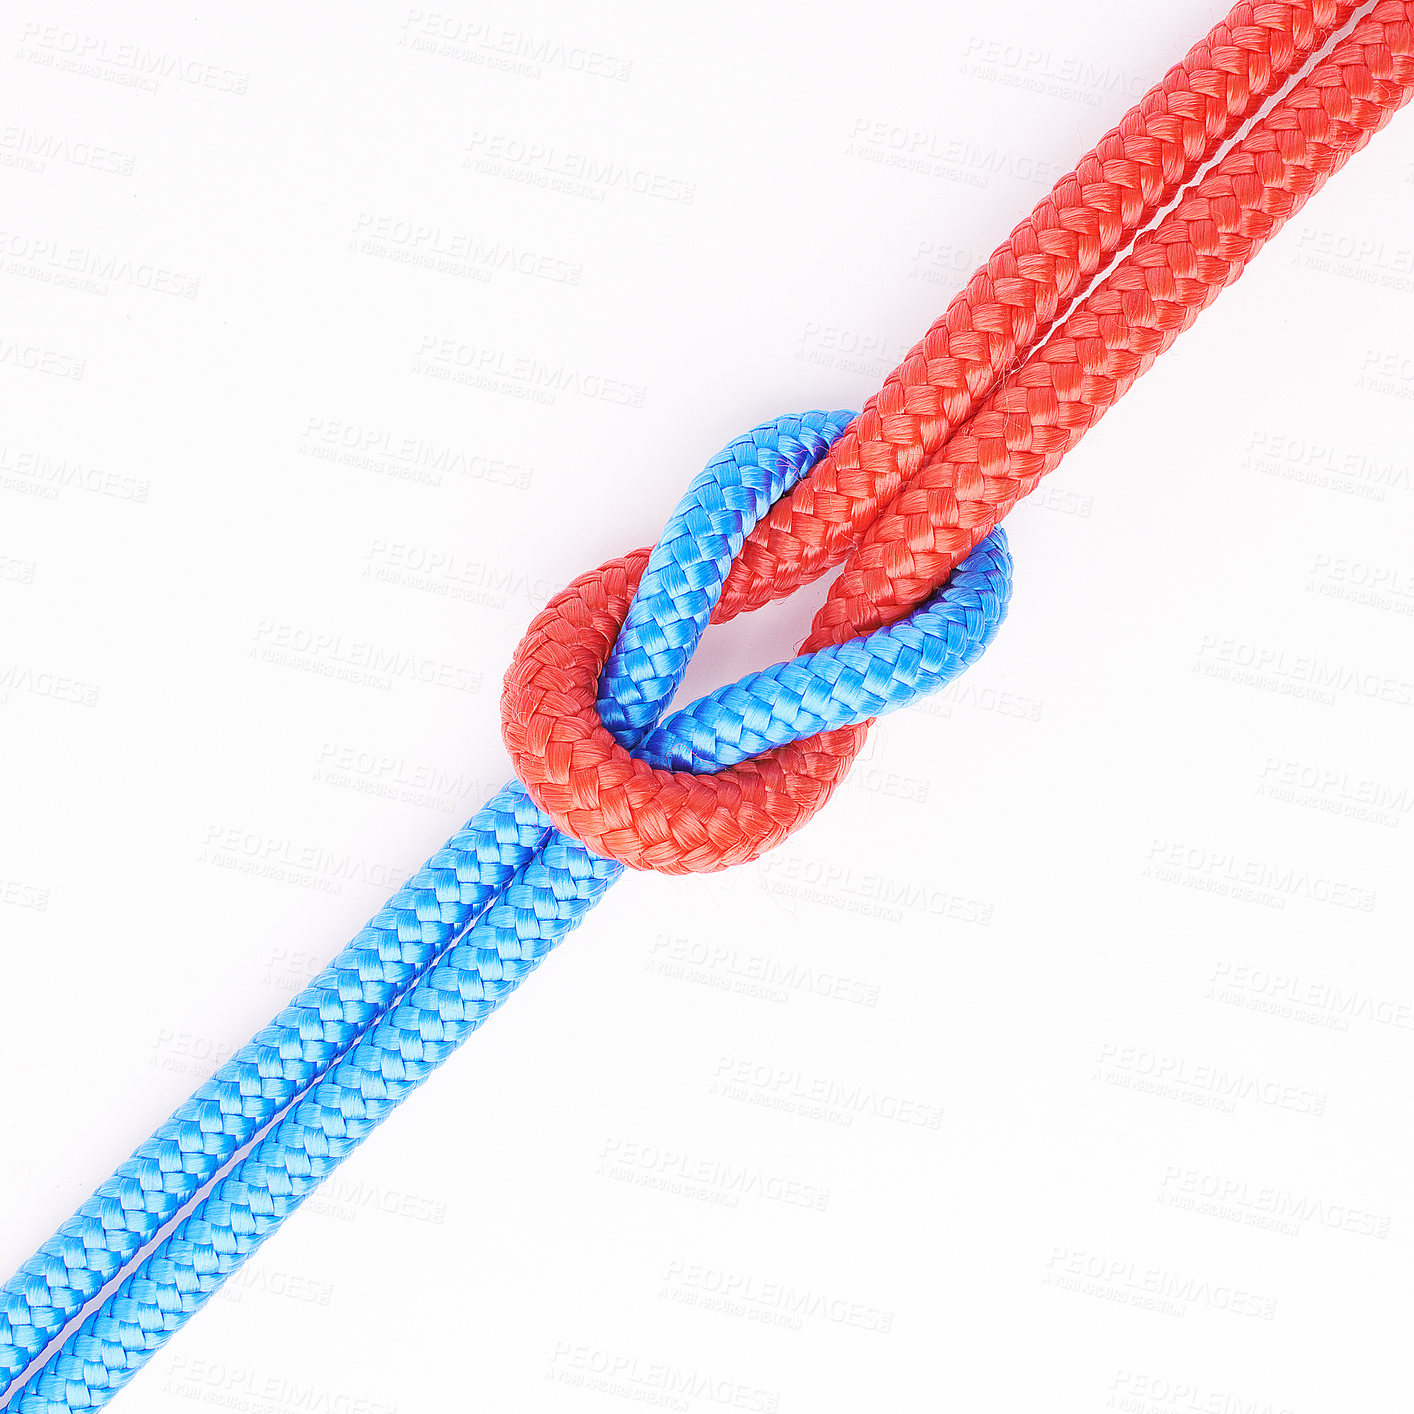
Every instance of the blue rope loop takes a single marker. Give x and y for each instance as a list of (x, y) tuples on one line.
[(452, 945), (851, 682), (689, 565), (832, 687)]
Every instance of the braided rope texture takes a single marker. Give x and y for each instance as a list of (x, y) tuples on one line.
[(1173, 273), (455, 885), (1091, 212), (542, 885), (1355, 93), (441, 900), (546, 899), (1012, 301), (654, 819), (553, 726)]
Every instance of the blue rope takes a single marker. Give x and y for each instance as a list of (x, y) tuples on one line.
[(455, 941)]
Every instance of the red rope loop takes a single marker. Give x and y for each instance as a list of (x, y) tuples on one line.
[(942, 453), (619, 806)]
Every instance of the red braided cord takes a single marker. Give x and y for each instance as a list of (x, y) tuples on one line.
[(619, 806), (1011, 303), (679, 823), (1173, 273)]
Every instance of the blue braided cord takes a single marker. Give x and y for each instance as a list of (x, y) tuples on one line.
[(688, 566), (545, 901), (284, 1058), (440, 901), (866, 677), (683, 581)]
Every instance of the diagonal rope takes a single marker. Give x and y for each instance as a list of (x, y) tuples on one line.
[(546, 898), (1090, 214), (593, 789), (938, 503), (1012, 302)]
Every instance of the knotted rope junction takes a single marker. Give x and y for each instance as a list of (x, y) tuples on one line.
[(906, 496)]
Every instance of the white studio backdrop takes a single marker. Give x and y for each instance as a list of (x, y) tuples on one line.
[(1062, 1063)]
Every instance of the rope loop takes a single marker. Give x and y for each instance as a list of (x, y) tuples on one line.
[(732, 775), (1041, 342)]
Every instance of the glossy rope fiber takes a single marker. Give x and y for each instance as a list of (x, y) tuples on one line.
[(550, 890), (362, 992), (1091, 213), (1174, 272), (1011, 303), (585, 782), (456, 884), (442, 899)]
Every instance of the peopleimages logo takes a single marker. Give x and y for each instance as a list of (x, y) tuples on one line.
[(524, 375), (1220, 872), (718, 1181), (427, 783), (36, 682), (39, 474), (1311, 463), (1338, 792), (863, 891), (254, 852), (479, 42), (1390, 372), (1296, 675), (25, 147), (1203, 1085), (456, 252), (35, 358), (235, 1387), (1036, 70), (574, 173), (767, 1301), (783, 1088), (402, 457), (447, 574), (17, 894), (1135, 1392), (1264, 1205), (344, 1199), (289, 1286), (654, 1383), (1362, 258), (1288, 994), (943, 155), (354, 660), (94, 54), (59, 263), (755, 974), (1174, 1293)]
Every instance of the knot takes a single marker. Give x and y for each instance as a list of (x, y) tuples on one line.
[(730, 776)]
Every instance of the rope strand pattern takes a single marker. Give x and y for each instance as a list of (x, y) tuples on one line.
[(455, 885), (546, 899), (942, 453), (654, 819), (548, 891), (1173, 273), (1011, 302)]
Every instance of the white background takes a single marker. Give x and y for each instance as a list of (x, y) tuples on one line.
[(1150, 943)]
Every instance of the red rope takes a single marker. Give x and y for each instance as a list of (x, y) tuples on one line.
[(934, 461), (1011, 303)]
